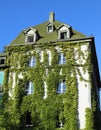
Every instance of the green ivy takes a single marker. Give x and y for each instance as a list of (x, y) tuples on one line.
[(46, 114), (89, 119)]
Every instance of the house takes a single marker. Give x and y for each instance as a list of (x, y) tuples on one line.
[(51, 80)]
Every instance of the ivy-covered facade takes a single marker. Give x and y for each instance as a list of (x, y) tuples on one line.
[(50, 80)]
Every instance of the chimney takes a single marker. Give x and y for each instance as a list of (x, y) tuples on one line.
[(51, 17)]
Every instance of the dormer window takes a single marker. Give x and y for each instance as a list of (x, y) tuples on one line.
[(64, 32), (50, 27), (31, 35)]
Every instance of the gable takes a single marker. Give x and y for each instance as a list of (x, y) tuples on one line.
[(63, 28), (30, 32), (30, 29)]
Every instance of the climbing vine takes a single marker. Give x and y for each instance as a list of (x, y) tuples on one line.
[(54, 111)]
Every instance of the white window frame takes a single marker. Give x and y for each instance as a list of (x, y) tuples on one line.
[(62, 58), (61, 87), (32, 61), (29, 88)]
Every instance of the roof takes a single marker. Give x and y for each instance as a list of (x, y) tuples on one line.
[(44, 36)]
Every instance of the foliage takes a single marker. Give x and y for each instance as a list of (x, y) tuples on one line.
[(89, 119), (46, 113)]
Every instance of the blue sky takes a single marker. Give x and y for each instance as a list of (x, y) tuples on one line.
[(82, 15)]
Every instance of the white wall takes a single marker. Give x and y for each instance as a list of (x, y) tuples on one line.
[(84, 86), (84, 98)]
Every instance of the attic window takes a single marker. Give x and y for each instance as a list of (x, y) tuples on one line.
[(30, 38), (63, 35), (31, 35), (50, 28), (64, 32)]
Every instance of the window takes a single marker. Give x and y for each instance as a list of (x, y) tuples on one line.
[(29, 88), (61, 87), (50, 28), (63, 35), (31, 35), (30, 38), (28, 119), (32, 61), (64, 31), (2, 61), (60, 124), (62, 58)]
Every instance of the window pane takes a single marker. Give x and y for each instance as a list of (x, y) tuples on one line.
[(30, 39), (62, 59), (64, 87), (32, 88), (32, 61), (61, 87), (63, 35), (49, 28), (2, 61), (29, 88)]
